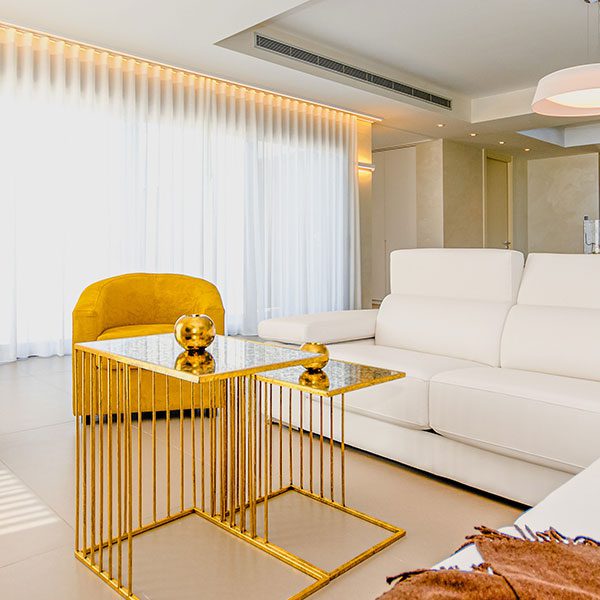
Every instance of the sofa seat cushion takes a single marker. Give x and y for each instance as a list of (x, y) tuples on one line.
[(543, 419), (404, 401), (128, 331)]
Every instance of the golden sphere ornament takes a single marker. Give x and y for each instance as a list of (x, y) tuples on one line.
[(195, 333), (317, 380), (316, 364), (197, 363)]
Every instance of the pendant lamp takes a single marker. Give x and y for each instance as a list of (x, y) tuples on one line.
[(572, 92)]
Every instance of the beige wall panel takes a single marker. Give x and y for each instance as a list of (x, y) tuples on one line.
[(520, 204), (560, 192), (463, 196), (401, 198), (430, 195)]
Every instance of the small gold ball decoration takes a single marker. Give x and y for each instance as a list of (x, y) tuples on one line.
[(316, 364), (317, 380), (196, 363), (195, 333)]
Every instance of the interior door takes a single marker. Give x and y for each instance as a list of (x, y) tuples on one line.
[(498, 229), (394, 212)]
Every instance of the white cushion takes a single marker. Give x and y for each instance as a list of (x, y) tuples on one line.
[(326, 328), (555, 340), (544, 419), (405, 401), (561, 280), (572, 509), (465, 329), (555, 326), (475, 274)]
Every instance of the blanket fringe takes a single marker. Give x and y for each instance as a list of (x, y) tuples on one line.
[(404, 576), (549, 536)]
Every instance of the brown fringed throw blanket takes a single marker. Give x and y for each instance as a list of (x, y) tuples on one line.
[(537, 566)]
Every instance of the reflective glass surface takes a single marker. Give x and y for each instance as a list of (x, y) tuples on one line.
[(225, 357), (336, 378)]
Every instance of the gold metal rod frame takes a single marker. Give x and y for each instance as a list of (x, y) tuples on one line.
[(240, 462)]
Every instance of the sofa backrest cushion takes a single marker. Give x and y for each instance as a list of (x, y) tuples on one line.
[(467, 329), (466, 273), (451, 302), (561, 280), (555, 326)]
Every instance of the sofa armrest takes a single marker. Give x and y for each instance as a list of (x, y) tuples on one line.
[(571, 508), (326, 328)]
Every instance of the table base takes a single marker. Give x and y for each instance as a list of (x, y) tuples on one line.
[(321, 576)]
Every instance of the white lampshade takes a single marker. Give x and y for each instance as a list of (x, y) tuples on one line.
[(572, 92)]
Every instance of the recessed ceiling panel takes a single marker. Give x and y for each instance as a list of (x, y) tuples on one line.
[(475, 47)]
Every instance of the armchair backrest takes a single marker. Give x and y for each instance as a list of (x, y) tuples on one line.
[(448, 301), (143, 298), (555, 326)]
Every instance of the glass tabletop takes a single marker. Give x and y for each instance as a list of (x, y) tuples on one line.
[(336, 378), (226, 357)]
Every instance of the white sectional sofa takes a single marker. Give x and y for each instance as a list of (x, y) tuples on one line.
[(572, 510), (503, 366)]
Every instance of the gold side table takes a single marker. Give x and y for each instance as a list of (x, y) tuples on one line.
[(222, 460)]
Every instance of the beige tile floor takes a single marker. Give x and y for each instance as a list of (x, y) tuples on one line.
[(191, 558)]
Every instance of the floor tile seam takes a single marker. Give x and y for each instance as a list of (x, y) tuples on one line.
[(37, 555), (18, 431), (53, 385), (59, 424)]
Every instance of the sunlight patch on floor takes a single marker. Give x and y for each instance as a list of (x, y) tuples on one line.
[(20, 509)]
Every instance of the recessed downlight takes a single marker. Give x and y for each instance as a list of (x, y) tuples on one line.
[(501, 143), (473, 134), (526, 149), (441, 124)]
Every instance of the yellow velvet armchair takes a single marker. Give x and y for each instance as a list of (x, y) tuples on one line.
[(139, 304)]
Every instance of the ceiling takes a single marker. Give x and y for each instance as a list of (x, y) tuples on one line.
[(473, 47), (486, 55)]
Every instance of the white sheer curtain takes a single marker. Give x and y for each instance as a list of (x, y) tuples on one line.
[(110, 165)]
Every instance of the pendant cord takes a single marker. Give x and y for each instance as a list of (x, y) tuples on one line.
[(588, 32)]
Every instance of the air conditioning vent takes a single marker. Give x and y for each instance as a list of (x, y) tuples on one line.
[(271, 45)]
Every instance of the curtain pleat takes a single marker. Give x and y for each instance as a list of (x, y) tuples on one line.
[(110, 165)]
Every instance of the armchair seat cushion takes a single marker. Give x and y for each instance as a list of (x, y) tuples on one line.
[(404, 401), (547, 420), (128, 331)]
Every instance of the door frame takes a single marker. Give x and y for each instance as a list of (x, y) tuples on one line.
[(508, 159)]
